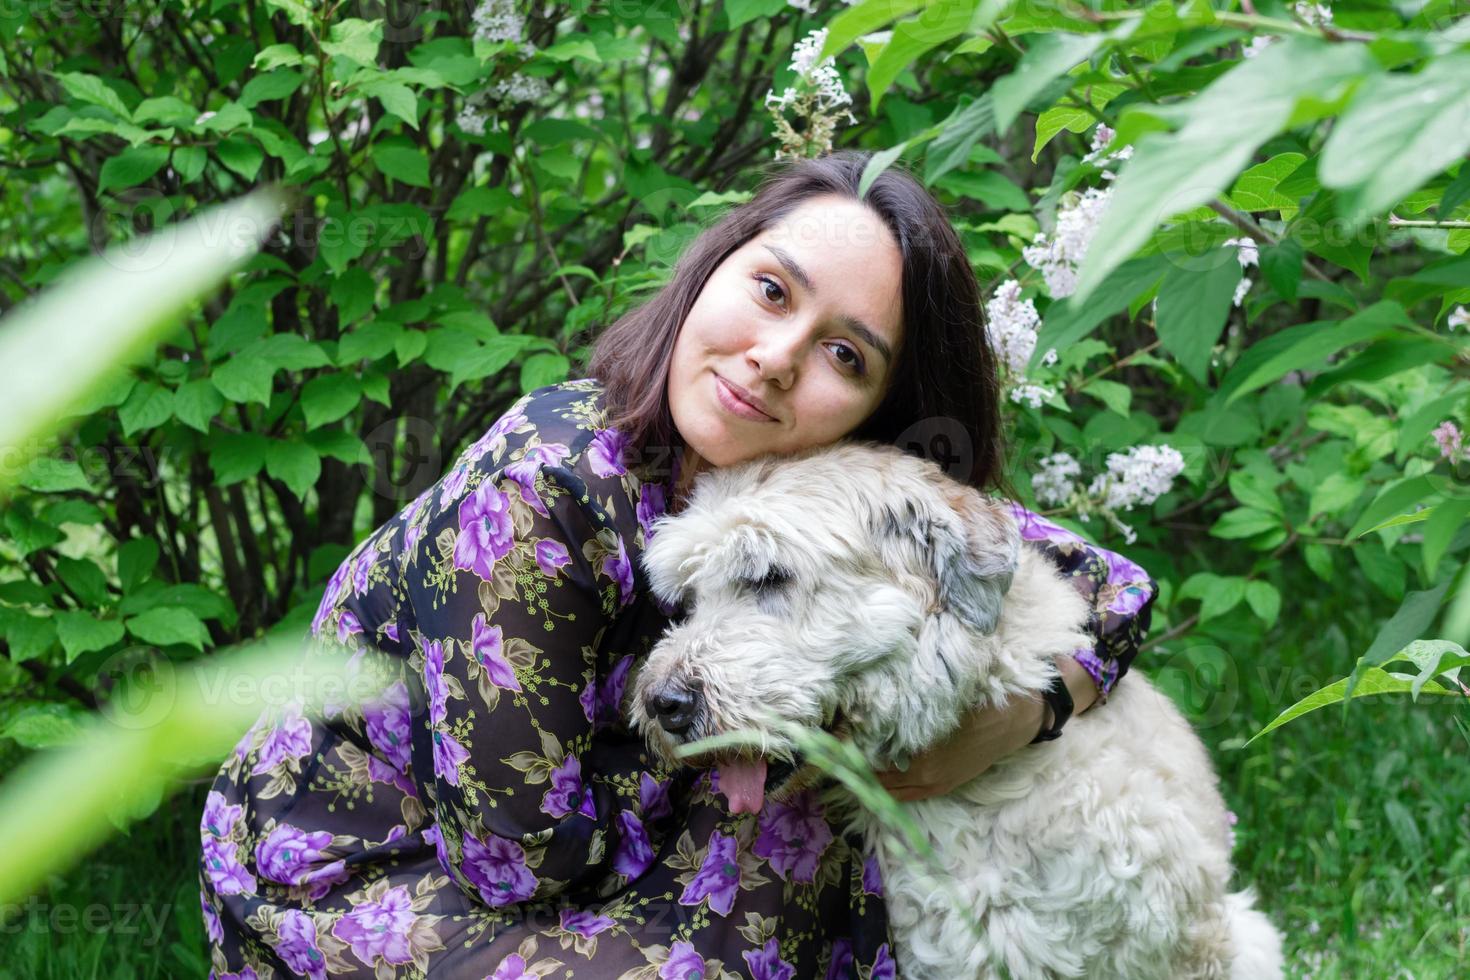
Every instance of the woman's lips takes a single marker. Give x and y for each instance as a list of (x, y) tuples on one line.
[(735, 406)]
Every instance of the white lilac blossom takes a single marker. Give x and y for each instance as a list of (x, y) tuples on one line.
[(497, 20), (1011, 325), (1101, 137), (1312, 14), (818, 96), (1137, 477), (1451, 441), (1053, 482), (1248, 254), (1059, 254), (1459, 317), (805, 6), (1241, 288)]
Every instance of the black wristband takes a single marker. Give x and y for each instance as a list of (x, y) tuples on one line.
[(1060, 700)]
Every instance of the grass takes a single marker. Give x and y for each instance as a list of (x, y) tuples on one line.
[(1356, 836)]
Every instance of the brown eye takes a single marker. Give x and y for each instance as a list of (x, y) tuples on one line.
[(767, 284), (857, 359)]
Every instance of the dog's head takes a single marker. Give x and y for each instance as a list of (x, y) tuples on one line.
[(845, 588)]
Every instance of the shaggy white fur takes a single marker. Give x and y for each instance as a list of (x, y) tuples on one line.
[(859, 589)]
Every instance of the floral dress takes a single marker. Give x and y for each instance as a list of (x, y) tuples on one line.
[(488, 814)]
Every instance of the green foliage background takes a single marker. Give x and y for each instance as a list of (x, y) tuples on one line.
[(451, 248)]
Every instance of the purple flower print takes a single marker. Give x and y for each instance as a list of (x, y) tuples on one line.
[(413, 527), (291, 856), (653, 797), (523, 471), (246, 973), (513, 967), (841, 966), (329, 597), (610, 696), (449, 755), (766, 963), (620, 570), (1127, 600), (433, 835), (719, 876), (379, 929), (551, 555), (1104, 673), (634, 854), (383, 772), (497, 867), (489, 654), (212, 927), (588, 700), (434, 680), (219, 816), (684, 963), (297, 947), (390, 629), (585, 923), (883, 965), (567, 792), (651, 507), (793, 836), (362, 568), (348, 625), (606, 452), (505, 425), (453, 486), (222, 866), (872, 877), (388, 725), (485, 531), (290, 739)]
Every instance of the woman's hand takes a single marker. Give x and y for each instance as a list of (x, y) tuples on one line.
[(984, 737)]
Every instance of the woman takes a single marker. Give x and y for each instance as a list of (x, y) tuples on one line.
[(490, 815)]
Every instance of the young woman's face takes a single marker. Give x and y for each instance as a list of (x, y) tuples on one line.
[(807, 318)]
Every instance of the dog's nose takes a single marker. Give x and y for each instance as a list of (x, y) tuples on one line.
[(674, 706)]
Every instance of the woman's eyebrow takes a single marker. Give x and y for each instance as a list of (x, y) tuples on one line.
[(864, 333)]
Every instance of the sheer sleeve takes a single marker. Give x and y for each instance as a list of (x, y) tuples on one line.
[(1121, 594), (513, 585)]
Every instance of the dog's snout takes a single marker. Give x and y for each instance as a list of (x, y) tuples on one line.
[(674, 705)]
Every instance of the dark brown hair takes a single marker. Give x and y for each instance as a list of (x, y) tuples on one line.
[(945, 385)]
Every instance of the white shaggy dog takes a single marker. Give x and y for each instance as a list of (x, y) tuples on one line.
[(860, 590)]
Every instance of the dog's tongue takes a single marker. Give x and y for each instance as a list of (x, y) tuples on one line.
[(744, 784)]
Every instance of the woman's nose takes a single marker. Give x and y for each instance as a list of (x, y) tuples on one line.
[(775, 354)]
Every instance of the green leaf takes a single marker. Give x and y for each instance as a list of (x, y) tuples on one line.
[(245, 378), (93, 90), (1373, 681), (227, 117), (1281, 266), (1070, 320), (131, 167), (356, 40), (1264, 600), (1255, 190), (241, 156), (277, 56), (1251, 489), (196, 402), (1218, 594), (582, 47), (164, 626), (1172, 173), (29, 637), (1058, 119), (1193, 306), (1244, 522), (270, 87), (878, 163), (401, 162), (1306, 346), (396, 98), (957, 137), (863, 18), (1399, 131), (1049, 57), (85, 580), (236, 456), (329, 397), (188, 162), (295, 464), (989, 188), (1115, 396), (1443, 524), (148, 407), (296, 11), (46, 474), (44, 726), (136, 560), (936, 23), (339, 445), (1409, 623), (80, 632), (1396, 498), (543, 369)]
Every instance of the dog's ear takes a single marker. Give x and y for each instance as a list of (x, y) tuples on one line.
[(671, 561), (969, 544)]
